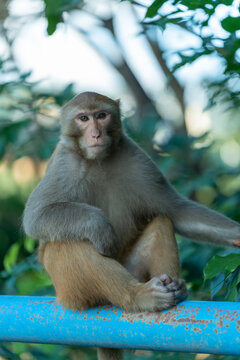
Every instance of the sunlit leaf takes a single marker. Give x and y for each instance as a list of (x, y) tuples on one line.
[(29, 244), (10, 258)]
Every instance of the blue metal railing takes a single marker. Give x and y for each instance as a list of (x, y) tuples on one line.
[(192, 326)]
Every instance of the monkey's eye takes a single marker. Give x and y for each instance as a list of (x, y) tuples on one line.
[(101, 115), (83, 117)]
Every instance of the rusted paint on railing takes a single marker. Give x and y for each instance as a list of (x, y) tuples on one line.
[(192, 326)]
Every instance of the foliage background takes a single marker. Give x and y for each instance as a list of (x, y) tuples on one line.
[(203, 165)]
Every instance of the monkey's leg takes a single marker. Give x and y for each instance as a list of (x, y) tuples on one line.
[(84, 278), (155, 253)]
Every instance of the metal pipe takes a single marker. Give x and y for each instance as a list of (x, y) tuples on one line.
[(192, 326)]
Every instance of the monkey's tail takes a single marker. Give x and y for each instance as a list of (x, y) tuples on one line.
[(109, 354)]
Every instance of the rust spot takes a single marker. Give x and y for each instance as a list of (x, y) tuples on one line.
[(175, 317), (197, 330), (216, 331), (238, 325), (220, 323), (50, 302), (193, 321), (44, 302)]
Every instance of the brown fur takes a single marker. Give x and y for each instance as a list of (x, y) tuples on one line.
[(83, 278)]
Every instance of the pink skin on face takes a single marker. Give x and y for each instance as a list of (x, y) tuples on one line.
[(93, 126)]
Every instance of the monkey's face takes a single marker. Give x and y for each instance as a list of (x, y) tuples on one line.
[(93, 121), (93, 125)]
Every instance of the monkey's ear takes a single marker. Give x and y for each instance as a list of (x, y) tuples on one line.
[(118, 102)]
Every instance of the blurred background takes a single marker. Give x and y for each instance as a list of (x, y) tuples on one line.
[(175, 66)]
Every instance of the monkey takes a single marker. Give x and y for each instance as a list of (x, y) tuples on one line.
[(106, 217)]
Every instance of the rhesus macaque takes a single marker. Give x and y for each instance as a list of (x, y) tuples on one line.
[(105, 216)]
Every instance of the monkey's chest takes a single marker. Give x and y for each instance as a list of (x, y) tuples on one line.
[(124, 205)]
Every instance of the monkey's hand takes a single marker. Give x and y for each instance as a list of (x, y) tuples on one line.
[(161, 292), (103, 236), (237, 242)]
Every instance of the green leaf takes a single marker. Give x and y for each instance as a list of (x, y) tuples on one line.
[(29, 244), (53, 20), (164, 20), (3, 144), (190, 59), (153, 9), (231, 24), (221, 263), (10, 258), (233, 287), (196, 4), (217, 284), (11, 130), (54, 10), (227, 2)]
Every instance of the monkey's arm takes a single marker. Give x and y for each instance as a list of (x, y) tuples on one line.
[(200, 223), (69, 221), (190, 219)]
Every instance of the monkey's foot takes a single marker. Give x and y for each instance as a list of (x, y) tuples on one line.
[(175, 285), (161, 292)]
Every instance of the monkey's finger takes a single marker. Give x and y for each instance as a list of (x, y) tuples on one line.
[(166, 296), (165, 279), (181, 283), (178, 281), (176, 284), (158, 285), (180, 294), (159, 289), (173, 286), (168, 299)]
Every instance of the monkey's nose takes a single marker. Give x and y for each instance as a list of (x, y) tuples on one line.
[(96, 133)]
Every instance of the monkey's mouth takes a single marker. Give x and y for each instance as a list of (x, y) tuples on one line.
[(96, 145), (97, 148)]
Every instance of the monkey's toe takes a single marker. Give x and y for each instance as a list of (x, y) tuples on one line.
[(165, 279), (181, 292), (174, 286)]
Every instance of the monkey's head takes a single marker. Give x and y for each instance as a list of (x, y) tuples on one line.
[(93, 122)]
